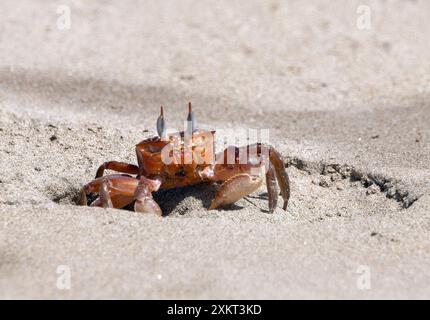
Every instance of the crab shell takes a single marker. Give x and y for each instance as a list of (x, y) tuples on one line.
[(177, 158)]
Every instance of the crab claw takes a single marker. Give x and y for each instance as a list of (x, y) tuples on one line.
[(234, 189), (191, 120), (143, 194), (161, 125), (147, 205)]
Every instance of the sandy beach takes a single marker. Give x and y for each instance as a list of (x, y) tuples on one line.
[(348, 107)]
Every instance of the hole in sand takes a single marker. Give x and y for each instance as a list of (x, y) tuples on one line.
[(318, 191)]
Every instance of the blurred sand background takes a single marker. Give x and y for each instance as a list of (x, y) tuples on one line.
[(348, 108)]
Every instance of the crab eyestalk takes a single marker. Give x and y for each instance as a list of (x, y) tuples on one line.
[(161, 125), (191, 120)]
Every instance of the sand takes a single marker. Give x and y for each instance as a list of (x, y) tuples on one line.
[(348, 109)]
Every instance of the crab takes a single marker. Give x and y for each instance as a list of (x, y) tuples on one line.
[(188, 158)]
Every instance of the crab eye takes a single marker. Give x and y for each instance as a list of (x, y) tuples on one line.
[(161, 125), (191, 121)]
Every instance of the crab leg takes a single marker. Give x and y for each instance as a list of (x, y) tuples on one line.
[(273, 163), (281, 175), (104, 194), (117, 166), (271, 188), (115, 191)]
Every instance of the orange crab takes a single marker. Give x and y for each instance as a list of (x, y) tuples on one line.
[(188, 158)]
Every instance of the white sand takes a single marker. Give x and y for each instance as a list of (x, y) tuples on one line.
[(330, 94)]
